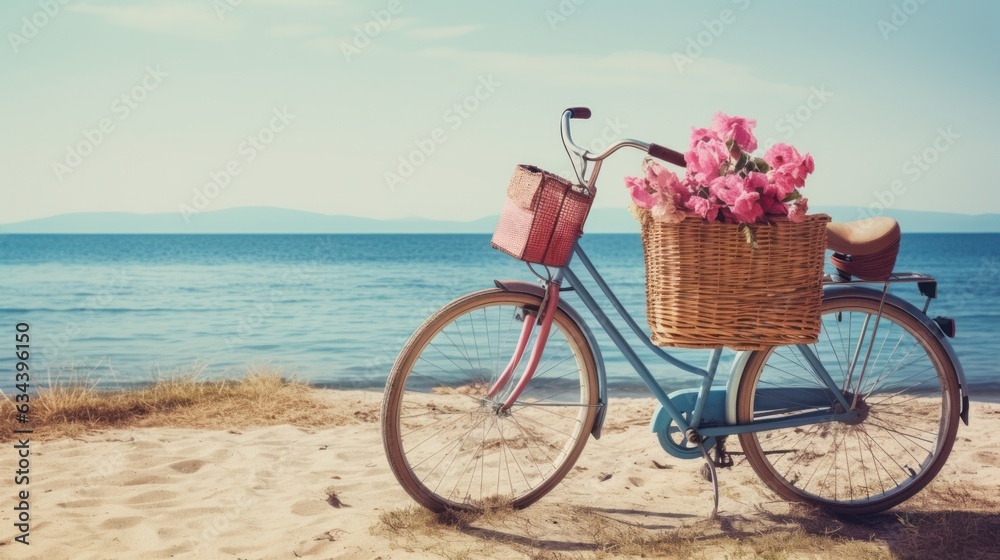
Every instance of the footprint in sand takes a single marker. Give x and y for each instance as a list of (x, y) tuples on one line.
[(310, 507), (72, 452), (990, 458), (118, 523), (636, 481), (151, 497), (189, 466), (175, 550), (169, 533), (196, 515), (221, 455), (81, 504), (148, 479)]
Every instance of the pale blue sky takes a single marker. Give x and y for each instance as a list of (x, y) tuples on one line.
[(213, 77)]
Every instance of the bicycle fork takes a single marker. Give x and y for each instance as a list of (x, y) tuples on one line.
[(546, 313)]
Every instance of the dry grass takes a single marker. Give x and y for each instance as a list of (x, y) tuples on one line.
[(410, 519), (733, 537), (950, 521), (417, 529), (944, 521), (415, 519), (261, 398)]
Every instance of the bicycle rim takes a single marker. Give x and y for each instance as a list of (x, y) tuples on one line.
[(908, 398), (448, 444)]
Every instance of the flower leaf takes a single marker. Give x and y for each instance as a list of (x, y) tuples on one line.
[(792, 197), (749, 234), (761, 165)]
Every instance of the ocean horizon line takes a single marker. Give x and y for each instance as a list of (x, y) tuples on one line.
[(272, 220)]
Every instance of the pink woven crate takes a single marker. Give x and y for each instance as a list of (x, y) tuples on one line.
[(542, 218)]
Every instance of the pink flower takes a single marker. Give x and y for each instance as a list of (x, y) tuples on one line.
[(788, 168), (808, 165), (704, 161), (718, 187), (715, 188), (757, 181), (682, 193), (781, 154), (666, 211), (660, 179), (699, 135), (737, 129), (797, 210), (703, 207), (727, 188), (800, 170), (782, 183), (640, 195), (746, 209), (771, 205)]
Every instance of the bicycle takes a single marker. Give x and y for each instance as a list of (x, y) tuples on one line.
[(855, 423)]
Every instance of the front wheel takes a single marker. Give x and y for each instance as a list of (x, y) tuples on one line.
[(907, 399), (453, 447)]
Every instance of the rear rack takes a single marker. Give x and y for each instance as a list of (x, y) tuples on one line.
[(926, 284)]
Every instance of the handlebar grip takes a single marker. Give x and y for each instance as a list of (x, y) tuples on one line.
[(579, 113), (667, 155)]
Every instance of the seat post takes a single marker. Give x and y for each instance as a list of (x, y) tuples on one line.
[(843, 275)]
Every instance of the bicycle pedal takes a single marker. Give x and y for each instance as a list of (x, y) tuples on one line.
[(705, 472), (724, 461)]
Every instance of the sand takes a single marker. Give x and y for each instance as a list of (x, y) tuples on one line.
[(288, 492)]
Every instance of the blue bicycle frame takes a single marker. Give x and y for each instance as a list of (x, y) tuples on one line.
[(692, 420)]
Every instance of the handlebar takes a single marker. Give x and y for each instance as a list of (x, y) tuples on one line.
[(667, 155), (654, 150)]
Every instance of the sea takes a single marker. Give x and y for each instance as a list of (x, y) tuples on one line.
[(120, 311)]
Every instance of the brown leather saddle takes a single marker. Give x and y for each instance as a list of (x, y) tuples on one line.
[(864, 249)]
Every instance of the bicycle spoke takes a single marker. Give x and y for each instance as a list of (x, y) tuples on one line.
[(456, 446), (902, 427)]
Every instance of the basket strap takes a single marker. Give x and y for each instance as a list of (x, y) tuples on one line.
[(562, 202)]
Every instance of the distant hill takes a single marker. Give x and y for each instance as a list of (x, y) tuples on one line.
[(280, 220), (238, 220)]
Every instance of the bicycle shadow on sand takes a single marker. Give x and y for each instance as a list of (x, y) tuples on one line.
[(944, 521)]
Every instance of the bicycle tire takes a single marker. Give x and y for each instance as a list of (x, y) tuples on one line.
[(911, 412), (518, 455)]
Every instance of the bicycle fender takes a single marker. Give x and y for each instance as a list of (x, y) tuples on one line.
[(733, 385), (839, 292), (520, 287)]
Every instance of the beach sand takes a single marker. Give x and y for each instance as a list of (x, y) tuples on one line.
[(289, 492)]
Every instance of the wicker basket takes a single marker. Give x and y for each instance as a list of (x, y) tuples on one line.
[(706, 287), (542, 218)]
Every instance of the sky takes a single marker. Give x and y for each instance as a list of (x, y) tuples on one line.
[(394, 108)]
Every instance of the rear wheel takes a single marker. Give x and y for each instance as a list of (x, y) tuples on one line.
[(908, 403), (449, 445)]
